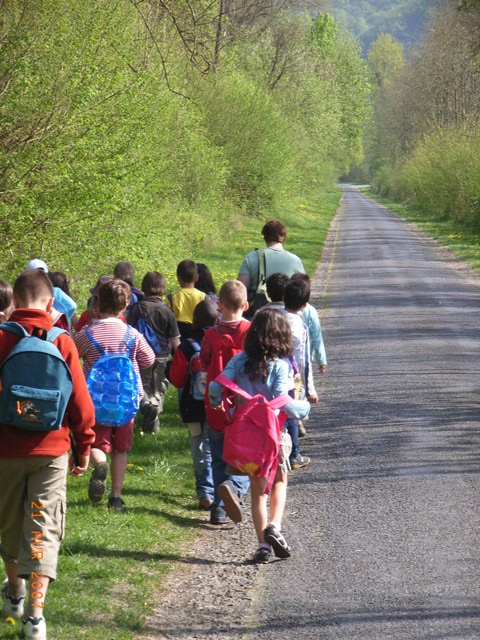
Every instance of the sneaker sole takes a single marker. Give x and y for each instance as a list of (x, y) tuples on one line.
[(97, 485), (279, 549), (230, 503)]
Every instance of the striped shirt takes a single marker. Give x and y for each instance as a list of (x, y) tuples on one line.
[(110, 333)]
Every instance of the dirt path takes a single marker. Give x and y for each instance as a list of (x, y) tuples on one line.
[(215, 590)]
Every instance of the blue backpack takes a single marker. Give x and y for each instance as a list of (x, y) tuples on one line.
[(113, 384), (36, 383), (146, 329)]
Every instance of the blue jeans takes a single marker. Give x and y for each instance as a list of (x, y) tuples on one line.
[(292, 427), (240, 482), (202, 459)]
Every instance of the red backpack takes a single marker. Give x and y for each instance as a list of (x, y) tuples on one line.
[(252, 437), (224, 347)]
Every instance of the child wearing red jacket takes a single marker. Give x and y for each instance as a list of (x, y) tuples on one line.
[(192, 410), (33, 469)]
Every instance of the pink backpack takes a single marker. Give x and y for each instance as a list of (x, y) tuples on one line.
[(252, 437)]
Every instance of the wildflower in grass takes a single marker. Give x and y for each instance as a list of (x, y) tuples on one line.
[(10, 621)]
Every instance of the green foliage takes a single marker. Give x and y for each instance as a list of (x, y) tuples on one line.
[(324, 32), (424, 143), (385, 59), (244, 122), (118, 142), (346, 76), (443, 174)]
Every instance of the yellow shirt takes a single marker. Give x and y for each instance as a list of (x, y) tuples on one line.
[(184, 302)]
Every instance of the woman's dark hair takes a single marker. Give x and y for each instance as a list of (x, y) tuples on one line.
[(269, 337), (274, 231), (60, 280), (205, 314), (205, 280)]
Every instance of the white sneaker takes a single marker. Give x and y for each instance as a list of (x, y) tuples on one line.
[(12, 607), (35, 628)]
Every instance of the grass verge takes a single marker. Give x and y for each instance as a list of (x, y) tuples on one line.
[(462, 241), (111, 563)]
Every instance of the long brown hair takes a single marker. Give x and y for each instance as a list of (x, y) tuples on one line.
[(269, 337)]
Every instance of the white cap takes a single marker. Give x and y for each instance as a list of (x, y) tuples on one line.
[(37, 264)]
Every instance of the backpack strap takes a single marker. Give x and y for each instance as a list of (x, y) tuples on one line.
[(96, 344), (54, 333), (128, 339), (279, 401), (276, 403), (15, 328), (194, 345), (143, 310), (19, 330), (229, 384), (262, 266)]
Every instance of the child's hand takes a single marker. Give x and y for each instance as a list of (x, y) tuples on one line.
[(322, 369), (313, 398), (79, 468)]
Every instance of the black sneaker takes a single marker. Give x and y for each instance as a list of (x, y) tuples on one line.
[(276, 540), (218, 516), (262, 555), (151, 424), (231, 501), (98, 482), (151, 427), (117, 504)]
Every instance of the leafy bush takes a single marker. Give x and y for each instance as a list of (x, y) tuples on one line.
[(243, 121), (443, 172)]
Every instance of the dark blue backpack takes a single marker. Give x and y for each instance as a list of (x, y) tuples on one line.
[(113, 384), (142, 326), (198, 378), (36, 383)]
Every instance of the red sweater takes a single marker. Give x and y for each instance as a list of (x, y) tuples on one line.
[(80, 415)]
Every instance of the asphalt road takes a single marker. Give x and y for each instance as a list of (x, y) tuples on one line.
[(384, 525)]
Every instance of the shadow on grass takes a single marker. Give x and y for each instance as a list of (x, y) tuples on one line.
[(77, 547)]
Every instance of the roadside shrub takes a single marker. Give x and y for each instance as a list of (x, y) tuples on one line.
[(244, 122), (442, 174)]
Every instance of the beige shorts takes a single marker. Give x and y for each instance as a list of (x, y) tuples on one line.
[(285, 451), (32, 512)]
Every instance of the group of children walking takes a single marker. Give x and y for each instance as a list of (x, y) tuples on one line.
[(187, 340)]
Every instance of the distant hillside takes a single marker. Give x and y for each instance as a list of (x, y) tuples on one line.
[(367, 19)]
